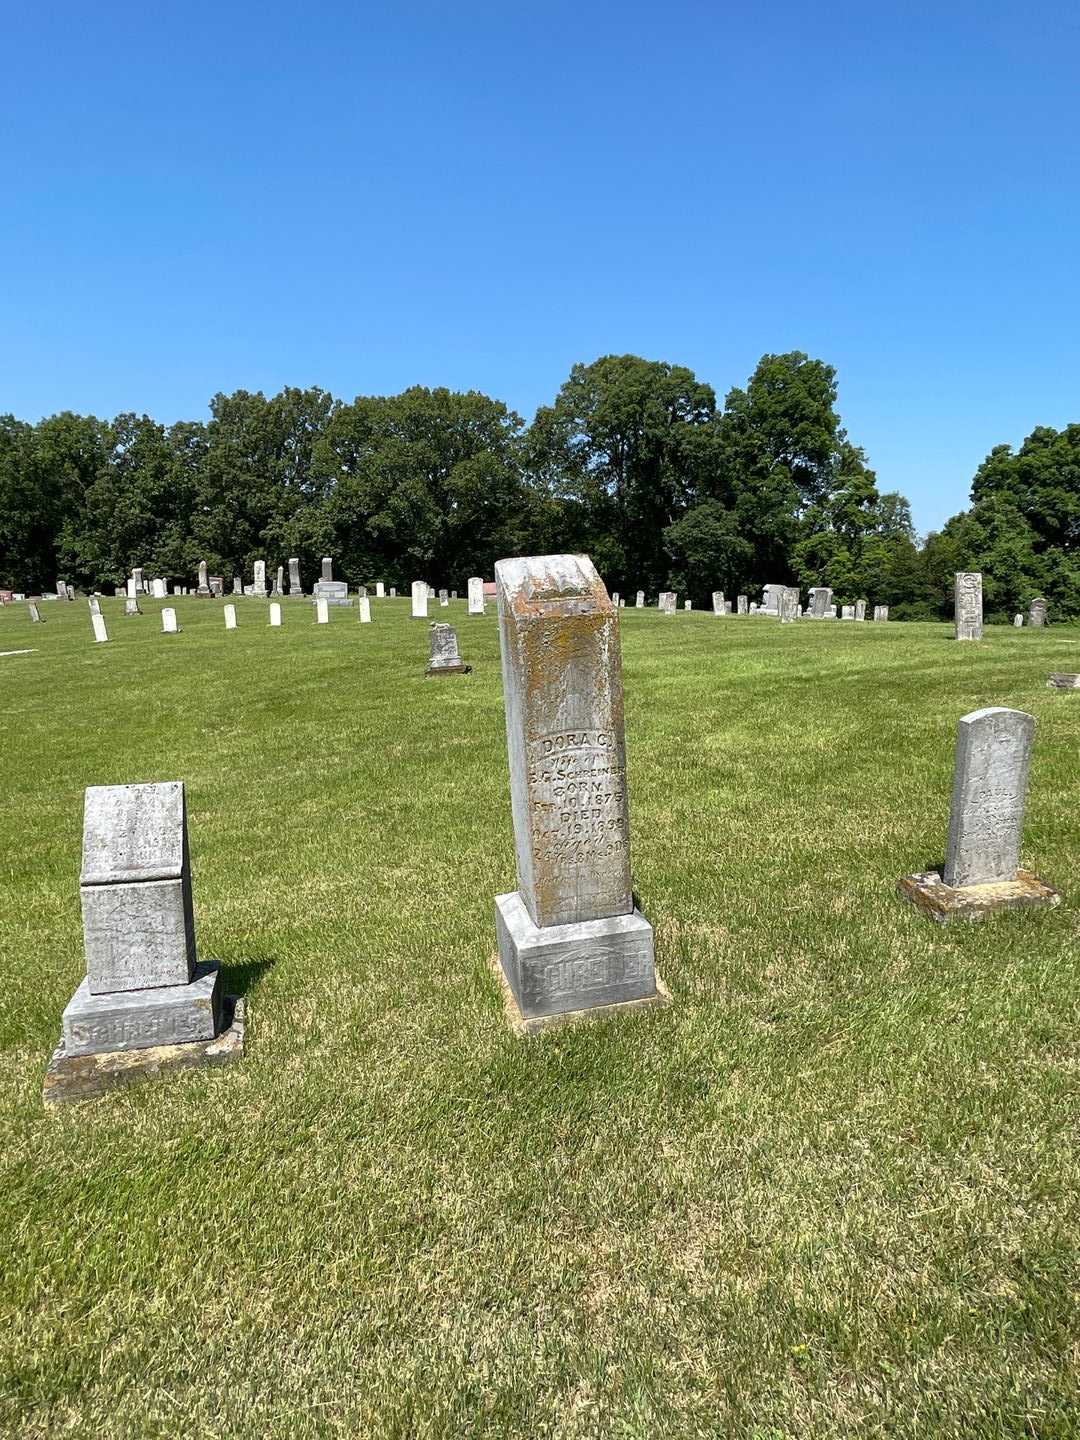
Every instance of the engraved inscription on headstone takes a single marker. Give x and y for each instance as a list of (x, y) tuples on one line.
[(968, 605), (258, 588), (820, 602), (445, 658), (789, 605), (327, 568), (993, 751), (569, 937), (1037, 612)]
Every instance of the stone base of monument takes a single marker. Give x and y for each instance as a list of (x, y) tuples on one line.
[(573, 972), (942, 902), (433, 670), (136, 1019), (1063, 681), (80, 1077)]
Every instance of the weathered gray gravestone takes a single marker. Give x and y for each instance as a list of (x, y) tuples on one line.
[(237, 585), (393, 593), (334, 592), (968, 605), (279, 581), (445, 659), (453, 594), (742, 605), (718, 602), (687, 605), (847, 612), (666, 602), (327, 568), (789, 606), (981, 874), (145, 1003), (860, 609), (444, 598), (821, 602), (131, 606), (881, 612), (1061, 680), (1037, 612), (570, 937), (204, 582), (295, 588), (476, 595), (615, 599), (770, 600), (95, 605), (217, 586)]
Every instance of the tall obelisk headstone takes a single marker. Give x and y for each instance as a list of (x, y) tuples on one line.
[(296, 590), (570, 937), (981, 872), (968, 605), (204, 583), (144, 990)]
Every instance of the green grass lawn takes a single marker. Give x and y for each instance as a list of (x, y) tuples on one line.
[(831, 1191)]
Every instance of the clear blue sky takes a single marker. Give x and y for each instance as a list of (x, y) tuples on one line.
[(206, 197)]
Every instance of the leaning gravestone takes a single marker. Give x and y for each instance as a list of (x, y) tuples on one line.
[(295, 588), (445, 659), (1037, 612), (230, 617), (981, 874), (968, 605), (168, 621), (95, 605), (100, 632), (718, 602), (146, 1003), (1060, 680), (365, 610), (571, 940), (35, 613), (419, 600), (476, 595)]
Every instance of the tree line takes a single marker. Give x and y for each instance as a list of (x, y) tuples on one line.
[(635, 463)]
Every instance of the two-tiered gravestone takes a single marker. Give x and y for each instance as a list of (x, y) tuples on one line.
[(968, 605), (571, 939), (333, 592), (146, 1004), (981, 872)]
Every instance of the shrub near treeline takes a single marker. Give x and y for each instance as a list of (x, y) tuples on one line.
[(634, 463)]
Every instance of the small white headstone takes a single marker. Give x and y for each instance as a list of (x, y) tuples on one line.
[(476, 595), (380, 590), (365, 610), (168, 621), (159, 588), (275, 613), (98, 622), (230, 617), (322, 612), (419, 600)]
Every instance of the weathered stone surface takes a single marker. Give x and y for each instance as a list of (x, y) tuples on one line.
[(847, 612), (204, 579), (132, 589), (135, 1019), (1018, 621), (100, 633), (1060, 680), (138, 935), (771, 599), (557, 969), (727, 607), (419, 600), (94, 604), (275, 614), (258, 584), (615, 599), (881, 612), (562, 690), (444, 598), (540, 1024), (327, 568), (820, 602), (1037, 612), (295, 587), (639, 603), (789, 605), (322, 609), (476, 595), (168, 621), (742, 604), (942, 902), (133, 833), (230, 617), (237, 585), (279, 581), (81, 1077), (35, 613), (365, 610), (968, 605), (860, 609), (137, 576), (666, 602), (718, 602), (445, 659), (993, 752)]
